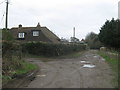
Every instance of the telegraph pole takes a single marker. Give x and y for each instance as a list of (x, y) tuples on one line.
[(6, 21), (74, 32)]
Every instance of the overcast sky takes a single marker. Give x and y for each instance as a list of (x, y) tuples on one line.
[(60, 16)]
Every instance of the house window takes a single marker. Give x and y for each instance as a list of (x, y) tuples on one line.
[(35, 33), (21, 35)]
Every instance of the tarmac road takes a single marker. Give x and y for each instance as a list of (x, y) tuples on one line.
[(87, 71)]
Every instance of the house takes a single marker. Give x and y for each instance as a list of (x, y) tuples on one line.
[(82, 41), (74, 39), (37, 33)]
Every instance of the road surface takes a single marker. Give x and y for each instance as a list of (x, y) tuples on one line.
[(87, 71)]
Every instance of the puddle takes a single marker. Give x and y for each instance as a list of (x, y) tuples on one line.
[(30, 74), (88, 66), (41, 75), (103, 59), (84, 62), (95, 56)]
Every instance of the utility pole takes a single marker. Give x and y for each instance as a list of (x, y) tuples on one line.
[(74, 32), (119, 10), (6, 21)]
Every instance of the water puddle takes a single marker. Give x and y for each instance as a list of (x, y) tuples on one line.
[(84, 62), (41, 75), (103, 59), (95, 56), (88, 66), (30, 74)]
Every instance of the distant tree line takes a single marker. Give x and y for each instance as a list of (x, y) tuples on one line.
[(93, 41), (109, 36)]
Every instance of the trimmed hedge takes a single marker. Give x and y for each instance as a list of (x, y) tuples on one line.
[(49, 49)]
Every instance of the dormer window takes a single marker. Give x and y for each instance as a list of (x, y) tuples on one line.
[(35, 33), (21, 35)]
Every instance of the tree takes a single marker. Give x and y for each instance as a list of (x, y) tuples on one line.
[(109, 34), (93, 41), (7, 36)]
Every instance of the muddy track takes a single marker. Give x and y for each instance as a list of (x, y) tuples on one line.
[(80, 75), (54, 77), (87, 71)]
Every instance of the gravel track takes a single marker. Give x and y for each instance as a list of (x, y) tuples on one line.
[(73, 72)]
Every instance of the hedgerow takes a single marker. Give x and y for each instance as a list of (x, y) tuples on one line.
[(49, 49), (12, 54)]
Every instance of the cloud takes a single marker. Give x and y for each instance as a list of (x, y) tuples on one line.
[(61, 16)]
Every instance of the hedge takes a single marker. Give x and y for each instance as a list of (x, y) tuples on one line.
[(49, 49)]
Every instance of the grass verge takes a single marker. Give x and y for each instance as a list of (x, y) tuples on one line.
[(113, 62), (25, 68)]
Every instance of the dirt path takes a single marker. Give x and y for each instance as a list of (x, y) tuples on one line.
[(73, 73)]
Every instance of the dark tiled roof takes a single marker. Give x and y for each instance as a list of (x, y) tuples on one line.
[(45, 34)]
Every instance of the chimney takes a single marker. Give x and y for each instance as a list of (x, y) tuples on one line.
[(20, 26), (38, 25)]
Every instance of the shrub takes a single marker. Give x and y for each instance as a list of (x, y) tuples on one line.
[(110, 34), (49, 49), (12, 62), (6, 36), (93, 41), (11, 56)]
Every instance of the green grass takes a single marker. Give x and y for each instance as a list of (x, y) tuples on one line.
[(6, 78), (114, 51), (113, 62), (26, 68)]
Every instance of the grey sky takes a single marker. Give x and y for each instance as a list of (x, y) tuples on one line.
[(60, 16)]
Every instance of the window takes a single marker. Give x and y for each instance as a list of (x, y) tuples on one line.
[(21, 35), (35, 33)]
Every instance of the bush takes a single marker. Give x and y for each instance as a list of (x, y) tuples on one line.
[(93, 41), (7, 36), (49, 49), (11, 56), (9, 49), (12, 63)]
